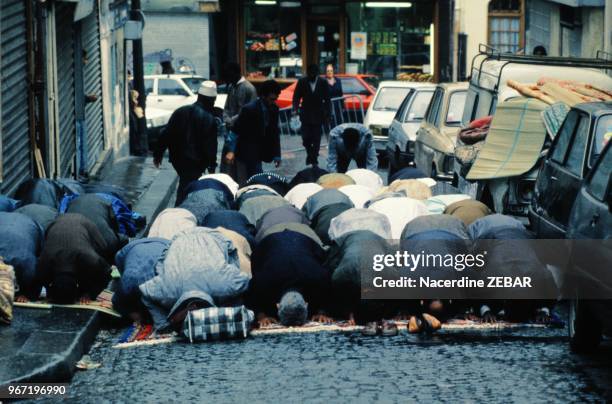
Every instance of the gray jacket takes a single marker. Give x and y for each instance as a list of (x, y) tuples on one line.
[(238, 95), (199, 263)]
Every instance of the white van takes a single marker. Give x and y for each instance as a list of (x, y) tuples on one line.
[(490, 73)]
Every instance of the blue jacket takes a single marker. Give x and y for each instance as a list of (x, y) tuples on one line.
[(136, 263), (364, 155), (20, 245)]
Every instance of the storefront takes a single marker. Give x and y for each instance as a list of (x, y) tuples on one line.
[(277, 38)]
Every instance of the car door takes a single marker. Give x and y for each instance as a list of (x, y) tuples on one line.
[(423, 154), (171, 94), (560, 179), (396, 125), (151, 92), (591, 220)]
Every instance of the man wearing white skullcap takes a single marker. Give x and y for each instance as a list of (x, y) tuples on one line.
[(191, 138)]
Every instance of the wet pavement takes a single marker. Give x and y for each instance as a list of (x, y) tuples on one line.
[(522, 365), (519, 366)]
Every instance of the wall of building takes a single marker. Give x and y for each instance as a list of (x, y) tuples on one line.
[(471, 18), (592, 31), (538, 25), (186, 34)]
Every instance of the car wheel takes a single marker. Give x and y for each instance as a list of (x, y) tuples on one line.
[(583, 328)]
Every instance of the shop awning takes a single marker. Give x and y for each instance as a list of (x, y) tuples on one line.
[(514, 142)]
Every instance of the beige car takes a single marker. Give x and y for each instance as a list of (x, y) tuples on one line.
[(436, 137)]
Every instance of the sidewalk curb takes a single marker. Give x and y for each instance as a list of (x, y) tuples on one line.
[(156, 197), (60, 367)]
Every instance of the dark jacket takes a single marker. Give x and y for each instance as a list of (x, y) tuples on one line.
[(191, 137), (101, 213), (288, 261), (74, 245), (310, 174), (258, 133), (316, 106), (231, 220), (41, 214)]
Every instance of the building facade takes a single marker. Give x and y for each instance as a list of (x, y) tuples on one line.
[(573, 28), (63, 90), (278, 39), (178, 31)]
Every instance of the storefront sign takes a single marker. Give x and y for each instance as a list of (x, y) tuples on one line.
[(359, 45)]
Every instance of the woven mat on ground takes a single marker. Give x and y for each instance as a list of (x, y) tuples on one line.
[(103, 303), (138, 335)]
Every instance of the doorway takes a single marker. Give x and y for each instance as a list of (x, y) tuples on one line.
[(324, 42)]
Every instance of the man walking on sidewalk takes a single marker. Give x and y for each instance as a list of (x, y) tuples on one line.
[(191, 137), (313, 93), (258, 134), (239, 93)]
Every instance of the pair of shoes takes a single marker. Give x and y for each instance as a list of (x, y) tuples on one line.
[(423, 323), (384, 328)]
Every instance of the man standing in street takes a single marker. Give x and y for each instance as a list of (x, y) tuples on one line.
[(315, 109), (191, 137), (239, 93), (258, 134)]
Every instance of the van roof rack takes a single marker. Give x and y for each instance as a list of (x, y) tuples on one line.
[(603, 60)]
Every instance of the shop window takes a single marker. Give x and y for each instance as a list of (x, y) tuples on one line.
[(272, 40), (506, 25), (399, 39)]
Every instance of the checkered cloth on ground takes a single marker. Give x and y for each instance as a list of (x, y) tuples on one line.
[(218, 323)]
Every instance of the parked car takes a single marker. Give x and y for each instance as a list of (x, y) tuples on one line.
[(363, 85), (403, 129), (573, 154), (490, 73), (171, 91), (382, 109), (437, 135), (587, 278)]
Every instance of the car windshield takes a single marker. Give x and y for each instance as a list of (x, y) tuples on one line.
[(455, 108), (193, 83), (390, 98), (372, 81), (419, 106), (603, 134)]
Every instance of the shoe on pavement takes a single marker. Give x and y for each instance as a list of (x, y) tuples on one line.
[(389, 329), (370, 329)]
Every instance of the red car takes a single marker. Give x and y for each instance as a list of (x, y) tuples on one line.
[(363, 85)]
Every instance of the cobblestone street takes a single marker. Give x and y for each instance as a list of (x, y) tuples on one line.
[(524, 365)]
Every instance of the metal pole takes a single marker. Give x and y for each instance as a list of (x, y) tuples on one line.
[(138, 63)]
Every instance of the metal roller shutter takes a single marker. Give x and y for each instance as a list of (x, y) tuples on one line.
[(65, 80), (16, 155), (92, 84)]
